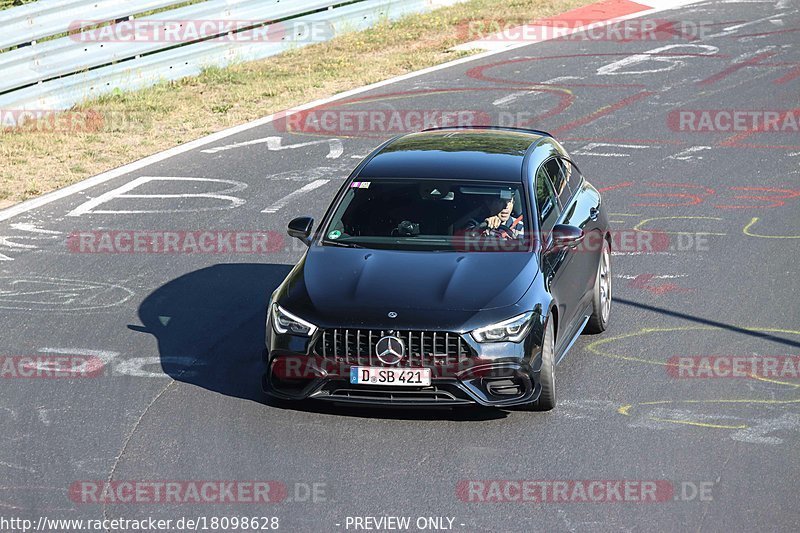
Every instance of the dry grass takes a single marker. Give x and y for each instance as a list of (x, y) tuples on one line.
[(5, 4), (157, 118)]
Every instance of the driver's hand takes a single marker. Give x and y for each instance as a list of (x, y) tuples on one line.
[(494, 222)]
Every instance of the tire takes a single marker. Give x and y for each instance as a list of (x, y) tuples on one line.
[(547, 374), (601, 300)]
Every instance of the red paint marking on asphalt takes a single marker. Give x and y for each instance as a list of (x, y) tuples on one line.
[(693, 199), (573, 19), (777, 201), (753, 61), (615, 187), (593, 13), (477, 73), (642, 281), (592, 85), (606, 110), (789, 76), (690, 185), (734, 140), (385, 96)]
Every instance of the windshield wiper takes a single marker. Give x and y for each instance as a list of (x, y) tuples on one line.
[(342, 244)]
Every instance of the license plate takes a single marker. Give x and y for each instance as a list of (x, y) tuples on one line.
[(376, 375)]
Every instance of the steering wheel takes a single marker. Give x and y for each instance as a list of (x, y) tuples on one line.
[(503, 231), (476, 228)]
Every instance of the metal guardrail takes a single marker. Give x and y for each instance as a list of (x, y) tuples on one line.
[(33, 64), (45, 18), (144, 64)]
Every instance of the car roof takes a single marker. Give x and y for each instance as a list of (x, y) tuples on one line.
[(486, 154)]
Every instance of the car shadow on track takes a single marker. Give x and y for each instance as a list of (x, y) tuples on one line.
[(209, 325)]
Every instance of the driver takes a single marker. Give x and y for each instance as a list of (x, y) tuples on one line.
[(496, 212)]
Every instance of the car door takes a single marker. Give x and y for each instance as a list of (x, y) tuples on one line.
[(557, 263), (580, 208)]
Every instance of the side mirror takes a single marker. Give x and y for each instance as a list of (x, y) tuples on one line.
[(566, 236), (300, 228)]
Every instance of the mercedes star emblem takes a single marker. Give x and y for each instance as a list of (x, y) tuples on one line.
[(390, 350)]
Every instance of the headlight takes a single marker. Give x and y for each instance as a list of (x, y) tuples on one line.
[(511, 330), (285, 322)]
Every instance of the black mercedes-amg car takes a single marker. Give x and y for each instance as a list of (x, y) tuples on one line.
[(454, 266)]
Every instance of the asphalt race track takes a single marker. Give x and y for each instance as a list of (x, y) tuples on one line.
[(178, 336)]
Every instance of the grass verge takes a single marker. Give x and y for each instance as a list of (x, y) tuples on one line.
[(168, 114), (5, 4)]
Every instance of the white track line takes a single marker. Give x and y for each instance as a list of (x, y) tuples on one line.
[(283, 202)]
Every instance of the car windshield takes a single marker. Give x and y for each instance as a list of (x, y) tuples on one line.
[(431, 215)]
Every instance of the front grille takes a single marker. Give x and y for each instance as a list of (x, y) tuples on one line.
[(422, 348)]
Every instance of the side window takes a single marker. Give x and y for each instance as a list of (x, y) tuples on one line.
[(574, 177), (557, 172), (546, 202)]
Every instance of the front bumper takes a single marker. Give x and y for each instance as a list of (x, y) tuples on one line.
[(502, 375)]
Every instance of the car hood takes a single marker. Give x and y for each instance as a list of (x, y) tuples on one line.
[(357, 281)]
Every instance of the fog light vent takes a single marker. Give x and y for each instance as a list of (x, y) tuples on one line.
[(503, 387)]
